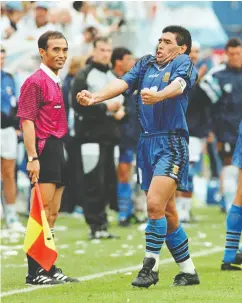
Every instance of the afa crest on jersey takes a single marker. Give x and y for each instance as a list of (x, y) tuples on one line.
[(166, 77), (175, 170)]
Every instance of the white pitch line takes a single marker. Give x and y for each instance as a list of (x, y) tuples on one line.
[(112, 272)]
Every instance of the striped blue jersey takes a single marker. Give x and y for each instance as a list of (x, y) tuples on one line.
[(222, 85), (170, 114)]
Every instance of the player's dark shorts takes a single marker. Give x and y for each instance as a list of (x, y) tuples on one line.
[(53, 166), (225, 150), (126, 155), (163, 154), (237, 156)]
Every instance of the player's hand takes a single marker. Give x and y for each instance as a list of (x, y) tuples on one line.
[(85, 98), (33, 168), (113, 106), (120, 114), (149, 97)]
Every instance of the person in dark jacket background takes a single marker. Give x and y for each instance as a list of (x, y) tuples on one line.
[(98, 125)]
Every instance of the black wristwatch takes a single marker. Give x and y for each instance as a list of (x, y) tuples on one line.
[(31, 159)]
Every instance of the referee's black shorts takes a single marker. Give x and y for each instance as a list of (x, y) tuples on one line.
[(53, 166)]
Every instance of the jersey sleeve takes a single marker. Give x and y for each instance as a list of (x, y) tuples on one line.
[(132, 78), (184, 68), (29, 101)]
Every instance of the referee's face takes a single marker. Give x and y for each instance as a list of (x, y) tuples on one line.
[(54, 56), (167, 47)]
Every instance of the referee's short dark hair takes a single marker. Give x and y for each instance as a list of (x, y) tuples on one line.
[(233, 42), (102, 39), (118, 54), (183, 36), (43, 39)]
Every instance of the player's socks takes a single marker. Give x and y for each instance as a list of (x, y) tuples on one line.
[(187, 206), (155, 234), (124, 201), (234, 227), (230, 178), (177, 244), (183, 208)]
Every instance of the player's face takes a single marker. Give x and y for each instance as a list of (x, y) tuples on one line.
[(127, 63), (167, 46), (55, 55), (194, 54), (2, 59), (102, 53), (234, 55)]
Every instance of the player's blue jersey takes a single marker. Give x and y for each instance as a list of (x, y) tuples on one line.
[(237, 156), (170, 114), (240, 128), (8, 99)]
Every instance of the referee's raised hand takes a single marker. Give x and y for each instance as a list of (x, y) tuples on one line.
[(85, 98)]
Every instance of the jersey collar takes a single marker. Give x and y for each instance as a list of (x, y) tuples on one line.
[(49, 73)]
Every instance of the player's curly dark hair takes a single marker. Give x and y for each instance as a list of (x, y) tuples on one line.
[(233, 42), (183, 36)]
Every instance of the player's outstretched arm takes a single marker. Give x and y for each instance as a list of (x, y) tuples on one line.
[(111, 90)]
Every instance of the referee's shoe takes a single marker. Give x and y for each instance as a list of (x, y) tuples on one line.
[(40, 278), (57, 274)]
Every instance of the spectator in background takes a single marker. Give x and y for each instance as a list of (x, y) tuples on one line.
[(36, 26), (66, 26), (9, 146), (89, 36), (86, 16), (98, 125), (54, 17), (13, 13), (122, 61), (76, 64)]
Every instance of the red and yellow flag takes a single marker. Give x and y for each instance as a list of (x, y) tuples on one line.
[(39, 243)]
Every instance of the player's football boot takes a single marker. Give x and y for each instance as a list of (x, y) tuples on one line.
[(101, 234), (42, 279), (146, 277), (236, 265), (57, 274), (186, 279)]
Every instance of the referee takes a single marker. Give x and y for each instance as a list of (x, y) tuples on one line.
[(43, 121)]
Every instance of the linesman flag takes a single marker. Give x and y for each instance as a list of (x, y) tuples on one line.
[(39, 243)]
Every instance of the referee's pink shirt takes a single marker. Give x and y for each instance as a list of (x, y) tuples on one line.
[(41, 101)]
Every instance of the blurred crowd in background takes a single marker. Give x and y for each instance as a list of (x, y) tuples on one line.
[(105, 39)]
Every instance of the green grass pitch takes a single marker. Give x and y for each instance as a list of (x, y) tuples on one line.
[(107, 267)]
